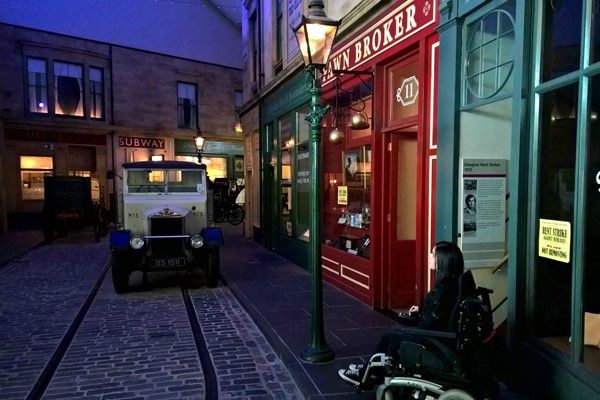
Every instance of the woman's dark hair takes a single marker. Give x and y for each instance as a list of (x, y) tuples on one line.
[(449, 261)]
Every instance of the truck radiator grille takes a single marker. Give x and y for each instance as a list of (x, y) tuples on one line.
[(166, 226)]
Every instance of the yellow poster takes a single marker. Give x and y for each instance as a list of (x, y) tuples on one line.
[(342, 195), (555, 240)]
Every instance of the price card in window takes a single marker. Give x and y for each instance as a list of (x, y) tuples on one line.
[(342, 195)]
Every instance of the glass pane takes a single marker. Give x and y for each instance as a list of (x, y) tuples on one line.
[(68, 89), (216, 167), (32, 184), (303, 185), (473, 62), (285, 174), (35, 65), (591, 278), (475, 41), (504, 75), (34, 162), (406, 189), (562, 37), (596, 36), (186, 91), (553, 278), (38, 90), (472, 94), (405, 84), (490, 51), (488, 84), (488, 68), (303, 126), (95, 74), (507, 49), (185, 181), (96, 93)]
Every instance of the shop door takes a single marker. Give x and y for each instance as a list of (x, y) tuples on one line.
[(402, 220)]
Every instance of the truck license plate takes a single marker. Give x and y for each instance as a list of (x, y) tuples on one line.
[(168, 262)]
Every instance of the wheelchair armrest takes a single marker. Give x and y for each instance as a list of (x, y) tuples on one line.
[(407, 319), (430, 333)]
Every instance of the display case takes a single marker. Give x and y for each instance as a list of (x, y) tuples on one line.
[(346, 203)]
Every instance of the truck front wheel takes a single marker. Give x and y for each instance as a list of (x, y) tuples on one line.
[(212, 268), (120, 273)]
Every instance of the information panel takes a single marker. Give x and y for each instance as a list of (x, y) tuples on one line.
[(483, 216)]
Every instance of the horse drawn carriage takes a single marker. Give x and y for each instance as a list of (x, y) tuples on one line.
[(225, 201), (71, 203)]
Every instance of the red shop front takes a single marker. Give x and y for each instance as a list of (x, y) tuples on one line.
[(379, 180)]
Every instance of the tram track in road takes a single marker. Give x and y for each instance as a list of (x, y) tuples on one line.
[(46, 376), (210, 376), (39, 388)]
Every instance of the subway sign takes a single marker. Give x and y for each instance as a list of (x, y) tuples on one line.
[(141, 142)]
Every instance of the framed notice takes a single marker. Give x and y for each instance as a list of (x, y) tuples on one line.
[(357, 167), (483, 211)]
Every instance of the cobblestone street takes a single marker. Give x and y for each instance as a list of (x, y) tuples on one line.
[(137, 345)]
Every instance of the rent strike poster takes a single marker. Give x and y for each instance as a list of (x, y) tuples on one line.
[(555, 240), (483, 211)]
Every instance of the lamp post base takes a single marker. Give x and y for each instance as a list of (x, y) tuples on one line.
[(317, 356)]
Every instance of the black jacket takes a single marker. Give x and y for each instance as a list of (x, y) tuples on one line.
[(438, 306)]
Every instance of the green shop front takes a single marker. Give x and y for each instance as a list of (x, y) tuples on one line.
[(285, 168), (522, 89), (222, 159)]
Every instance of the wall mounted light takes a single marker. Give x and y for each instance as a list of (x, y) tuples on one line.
[(239, 129), (360, 119)]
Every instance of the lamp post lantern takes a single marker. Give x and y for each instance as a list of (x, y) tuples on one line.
[(315, 36), (199, 142)]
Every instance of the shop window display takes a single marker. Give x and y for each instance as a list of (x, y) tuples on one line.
[(33, 171), (347, 211), (285, 173)]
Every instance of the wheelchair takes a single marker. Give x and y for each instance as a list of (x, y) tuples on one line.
[(442, 365)]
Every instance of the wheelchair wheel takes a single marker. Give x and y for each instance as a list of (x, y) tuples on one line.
[(390, 394), (456, 394)]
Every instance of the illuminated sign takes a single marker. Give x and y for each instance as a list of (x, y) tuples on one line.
[(399, 24), (141, 142)]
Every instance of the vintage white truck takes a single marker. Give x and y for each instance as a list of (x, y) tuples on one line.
[(164, 223)]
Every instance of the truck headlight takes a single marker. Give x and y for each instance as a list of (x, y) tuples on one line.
[(136, 242), (196, 241)]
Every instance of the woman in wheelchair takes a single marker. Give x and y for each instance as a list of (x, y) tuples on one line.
[(447, 260)]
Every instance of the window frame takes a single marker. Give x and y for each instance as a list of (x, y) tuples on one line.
[(194, 123), (540, 86), (278, 39), (82, 88), (501, 93), (43, 87), (37, 170), (95, 96)]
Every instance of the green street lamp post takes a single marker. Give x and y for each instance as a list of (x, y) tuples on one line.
[(315, 36)]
